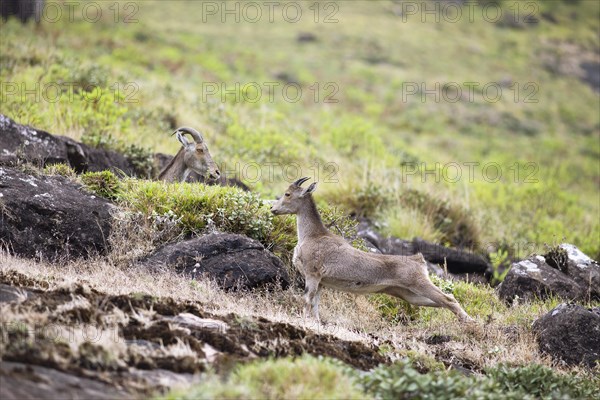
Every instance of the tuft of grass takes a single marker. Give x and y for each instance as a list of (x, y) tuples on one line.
[(60, 169), (104, 184), (453, 222), (305, 377)]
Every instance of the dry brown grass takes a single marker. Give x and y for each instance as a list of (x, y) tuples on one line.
[(501, 337)]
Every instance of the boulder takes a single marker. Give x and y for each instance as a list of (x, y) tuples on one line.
[(84, 158), (570, 333), (233, 261), (534, 278), (51, 217), (582, 269), (22, 9), (565, 272), (23, 143), (20, 142)]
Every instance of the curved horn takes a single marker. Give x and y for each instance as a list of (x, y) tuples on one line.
[(192, 132), (300, 181)]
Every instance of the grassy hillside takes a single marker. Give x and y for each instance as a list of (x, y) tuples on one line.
[(362, 125), (401, 119)]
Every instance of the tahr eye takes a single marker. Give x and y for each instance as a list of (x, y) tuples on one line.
[(287, 195)]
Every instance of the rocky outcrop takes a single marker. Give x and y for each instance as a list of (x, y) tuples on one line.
[(51, 217), (24, 143), (570, 333), (233, 261), (20, 142), (565, 272)]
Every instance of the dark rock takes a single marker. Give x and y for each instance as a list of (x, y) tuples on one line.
[(83, 158), (570, 333), (533, 278), (591, 74), (20, 142), (457, 261), (51, 217), (23, 143), (437, 339), (583, 270), (233, 261), (572, 276), (22, 381), (23, 9)]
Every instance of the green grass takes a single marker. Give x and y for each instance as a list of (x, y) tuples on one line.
[(194, 209), (309, 377), (303, 378)]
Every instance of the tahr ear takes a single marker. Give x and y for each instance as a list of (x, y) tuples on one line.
[(310, 189), (182, 139)]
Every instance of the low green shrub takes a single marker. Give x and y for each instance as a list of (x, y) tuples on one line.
[(402, 381), (198, 207), (540, 382)]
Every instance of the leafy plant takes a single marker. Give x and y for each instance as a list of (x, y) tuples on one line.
[(447, 286), (402, 381), (499, 267)]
